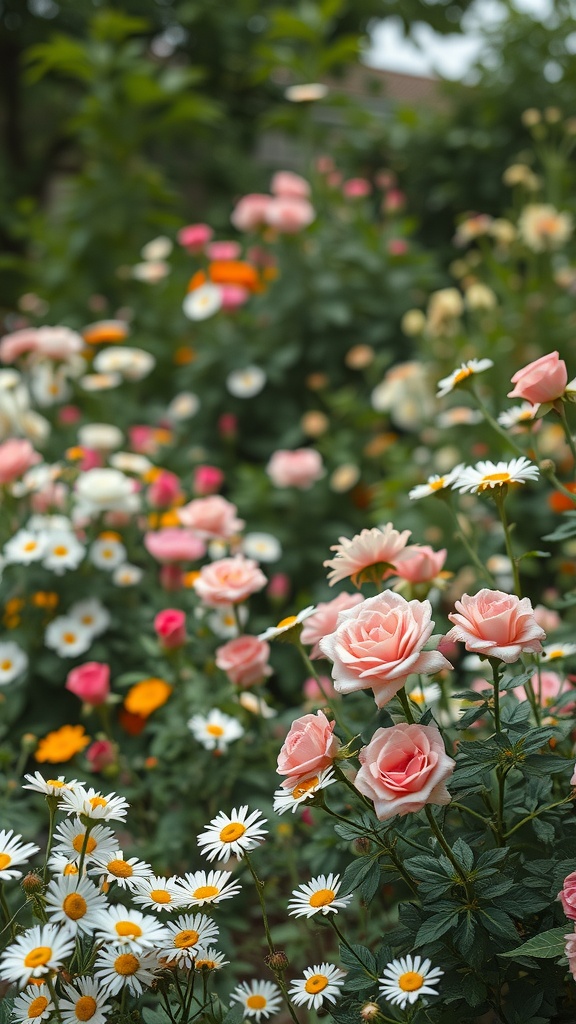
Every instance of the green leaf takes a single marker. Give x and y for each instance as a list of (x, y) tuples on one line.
[(434, 927), (547, 946), (566, 529)]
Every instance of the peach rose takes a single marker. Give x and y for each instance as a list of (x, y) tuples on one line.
[(324, 620), (419, 563), (497, 625), (378, 644), (16, 456), (174, 545), (286, 183), (300, 468), (567, 896), (244, 660), (309, 747), (250, 211), (550, 686), (288, 214), (570, 952), (211, 518), (229, 581), (403, 769), (544, 380)]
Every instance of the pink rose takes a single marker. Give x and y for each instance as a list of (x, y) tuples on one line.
[(398, 247), (170, 626), (324, 620), (229, 581), (394, 200), (317, 694), (211, 518), (101, 754), (300, 468), (289, 215), (567, 896), (544, 380), (49, 342), (223, 250), (207, 480), (174, 545), (547, 618), (419, 563), (244, 660), (233, 296), (143, 439), (570, 952), (68, 415), (16, 456), (378, 644), (195, 236), (309, 747), (278, 587), (550, 685), (356, 188), (165, 490), (286, 183), (250, 211), (90, 682), (496, 625), (403, 769)]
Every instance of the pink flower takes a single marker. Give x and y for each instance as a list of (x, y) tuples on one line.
[(356, 188), (195, 236), (228, 425), (68, 415), (324, 620), (398, 247), (567, 896), (278, 587), (549, 686), (378, 644), (289, 215), (101, 754), (229, 581), (370, 547), (419, 563), (16, 456), (497, 625), (90, 682), (570, 952), (170, 626), (223, 250), (233, 296), (165, 490), (324, 164), (544, 380), (211, 518), (250, 211), (174, 545), (143, 439), (244, 660), (403, 769), (309, 747), (299, 468), (394, 200), (47, 342), (207, 480), (286, 183), (313, 692), (171, 577), (547, 618)]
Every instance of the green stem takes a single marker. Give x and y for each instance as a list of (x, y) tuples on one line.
[(499, 495), (6, 912), (561, 412), (405, 702), (351, 950), (440, 837), (52, 802), (52, 990), (461, 536), (532, 699), (536, 814), (405, 874), (313, 672), (89, 828), (468, 810), (501, 777), (495, 425), (236, 615), (496, 674)]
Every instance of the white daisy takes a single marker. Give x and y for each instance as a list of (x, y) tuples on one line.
[(67, 637), (486, 476), (320, 984), (554, 651), (459, 416), (13, 661), (69, 839), (435, 484), (209, 960), (115, 868), (107, 553), (246, 383), (49, 787), (41, 949), (127, 575), (114, 969), (93, 805), (233, 835), (92, 614), (31, 1006), (215, 730), (157, 893), (518, 415), (264, 547), (462, 373), (183, 406), (187, 934), (289, 798), (319, 896), (285, 625), (62, 551), (260, 999), (130, 462), (132, 363), (25, 547), (425, 695), (202, 302), (223, 623), (203, 887), (124, 926), (406, 979), (255, 705), (84, 1001), (12, 852), (59, 864), (99, 381), (73, 904)]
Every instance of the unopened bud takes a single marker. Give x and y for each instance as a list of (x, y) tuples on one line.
[(370, 1011), (547, 466), (29, 742), (32, 883), (277, 961)]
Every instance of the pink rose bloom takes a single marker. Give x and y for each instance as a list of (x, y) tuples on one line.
[(289, 215), (250, 211), (212, 518), (52, 495), (244, 660), (233, 296), (286, 183), (544, 380), (313, 692), (68, 415), (324, 620), (90, 682), (369, 547), (550, 686), (91, 459), (228, 425), (165, 490), (309, 747), (101, 754), (496, 625), (394, 200), (324, 164), (278, 587), (547, 618), (403, 769), (223, 250), (16, 456), (567, 896), (299, 468), (143, 439), (229, 581), (419, 563), (356, 188), (570, 952), (207, 480), (378, 644), (49, 342), (398, 247), (170, 626), (174, 545), (194, 236)]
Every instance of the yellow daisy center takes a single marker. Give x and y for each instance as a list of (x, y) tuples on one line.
[(6, 665), (98, 801), (30, 545), (288, 621), (85, 1008), (322, 898), (411, 981), (494, 478), (78, 843), (120, 868), (37, 1006), (205, 892), (38, 957), (186, 938), (56, 783), (235, 830), (256, 1002), (556, 654), (74, 906), (126, 964), (438, 484), (215, 730), (462, 374), (209, 964), (69, 638), (316, 983), (60, 550), (70, 869), (160, 896), (128, 929), (5, 860), (304, 787), (87, 620)]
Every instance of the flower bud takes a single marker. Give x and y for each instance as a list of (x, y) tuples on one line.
[(32, 883), (277, 961)]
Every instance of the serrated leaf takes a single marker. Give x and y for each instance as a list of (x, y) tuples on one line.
[(546, 946), (434, 928)]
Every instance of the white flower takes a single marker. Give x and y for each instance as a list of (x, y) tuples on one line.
[(100, 381), (202, 302), (264, 547), (24, 548), (202, 887), (226, 836), (186, 935), (209, 960), (62, 551), (124, 926), (41, 949), (222, 621), (319, 896), (73, 904), (555, 651), (85, 1001), (31, 1006), (49, 787), (287, 624), (246, 383), (306, 93), (91, 614), (215, 730), (69, 838), (183, 406), (125, 871), (105, 490), (157, 893), (462, 373), (13, 661), (107, 552), (321, 983), (114, 969), (127, 575), (13, 852), (48, 524), (157, 249), (151, 271), (518, 415), (406, 979), (100, 436), (59, 864), (488, 475), (542, 227), (132, 364), (67, 637), (459, 416), (130, 462), (425, 695), (435, 483), (289, 799), (255, 705), (93, 805), (260, 999)]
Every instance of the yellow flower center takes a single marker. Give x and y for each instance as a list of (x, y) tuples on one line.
[(462, 374), (160, 896), (70, 869), (78, 843), (87, 620), (74, 906), (69, 638), (417, 697), (438, 484), (288, 621), (209, 964), (37, 1006), (304, 787), (556, 654), (186, 938), (30, 545), (5, 860), (205, 892), (56, 783), (232, 832), (494, 478), (316, 983), (215, 730), (256, 1002), (107, 553), (322, 898), (120, 868), (126, 964), (128, 929), (38, 957), (85, 1008), (98, 801), (6, 665), (410, 981), (60, 550)]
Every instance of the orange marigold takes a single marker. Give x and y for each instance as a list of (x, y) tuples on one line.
[(145, 697), (559, 502), (62, 744), (105, 331)]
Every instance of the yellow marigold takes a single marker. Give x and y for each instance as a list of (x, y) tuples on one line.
[(62, 744), (45, 599), (145, 697), (170, 518)]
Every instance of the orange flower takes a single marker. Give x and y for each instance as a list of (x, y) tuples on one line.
[(45, 599), (559, 502), (62, 744), (105, 332), (184, 355), (145, 697), (235, 272), (132, 724)]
